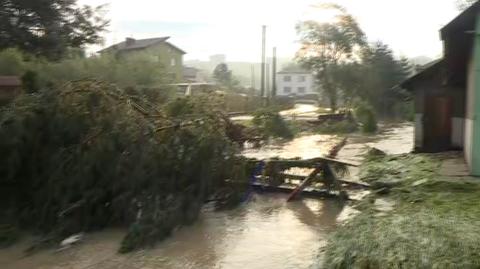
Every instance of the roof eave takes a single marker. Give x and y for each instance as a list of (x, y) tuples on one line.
[(407, 83), (457, 20)]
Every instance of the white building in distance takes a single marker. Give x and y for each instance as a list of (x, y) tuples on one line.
[(294, 81)]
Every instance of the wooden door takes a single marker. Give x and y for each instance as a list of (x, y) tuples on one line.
[(437, 123)]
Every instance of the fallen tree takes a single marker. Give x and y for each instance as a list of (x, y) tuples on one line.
[(88, 156)]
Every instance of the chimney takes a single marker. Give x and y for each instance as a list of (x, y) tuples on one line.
[(129, 41)]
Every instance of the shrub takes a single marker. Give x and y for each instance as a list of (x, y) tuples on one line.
[(270, 124), (365, 114), (337, 127)]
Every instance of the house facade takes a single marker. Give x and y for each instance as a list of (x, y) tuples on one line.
[(296, 82), (447, 93), (194, 75), (159, 49)]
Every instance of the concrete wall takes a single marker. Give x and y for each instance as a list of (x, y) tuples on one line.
[(469, 112), (458, 127)]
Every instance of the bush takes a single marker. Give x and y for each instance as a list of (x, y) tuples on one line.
[(365, 114), (11, 62), (405, 110), (337, 127), (88, 156), (270, 124), (30, 82), (138, 70)]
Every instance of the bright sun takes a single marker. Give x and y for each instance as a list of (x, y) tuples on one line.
[(320, 14)]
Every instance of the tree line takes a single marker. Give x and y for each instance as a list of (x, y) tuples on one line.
[(348, 68)]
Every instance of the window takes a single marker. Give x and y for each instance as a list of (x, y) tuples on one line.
[(287, 78), (287, 89), (301, 89), (301, 79), (173, 62)]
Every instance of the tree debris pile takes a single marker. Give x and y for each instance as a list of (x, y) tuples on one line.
[(433, 221), (87, 156)]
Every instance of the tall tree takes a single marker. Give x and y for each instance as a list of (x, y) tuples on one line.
[(379, 74), (326, 46), (49, 27), (224, 77)]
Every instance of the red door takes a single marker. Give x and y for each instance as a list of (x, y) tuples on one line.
[(437, 123)]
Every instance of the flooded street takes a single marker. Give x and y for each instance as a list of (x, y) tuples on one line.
[(305, 147), (266, 232)]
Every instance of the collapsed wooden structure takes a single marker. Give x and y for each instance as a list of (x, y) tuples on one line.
[(324, 172)]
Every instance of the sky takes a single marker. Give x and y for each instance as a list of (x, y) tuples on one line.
[(233, 27)]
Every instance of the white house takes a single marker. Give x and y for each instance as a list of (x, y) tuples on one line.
[(295, 82)]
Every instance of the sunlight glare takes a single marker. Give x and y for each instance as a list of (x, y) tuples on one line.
[(321, 14)]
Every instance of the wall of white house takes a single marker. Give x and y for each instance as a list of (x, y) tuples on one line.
[(458, 134), (295, 84)]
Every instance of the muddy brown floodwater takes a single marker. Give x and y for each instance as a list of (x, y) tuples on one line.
[(266, 232)]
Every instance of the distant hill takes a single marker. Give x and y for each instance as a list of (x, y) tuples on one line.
[(242, 71), (421, 60)]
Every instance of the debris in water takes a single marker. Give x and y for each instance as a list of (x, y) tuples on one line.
[(374, 152), (70, 241)]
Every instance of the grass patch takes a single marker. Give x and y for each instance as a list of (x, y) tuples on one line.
[(435, 223)]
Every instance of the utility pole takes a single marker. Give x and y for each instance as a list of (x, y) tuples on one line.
[(262, 83), (252, 77), (274, 73), (267, 86)]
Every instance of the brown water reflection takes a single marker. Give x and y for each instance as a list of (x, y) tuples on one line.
[(265, 233)]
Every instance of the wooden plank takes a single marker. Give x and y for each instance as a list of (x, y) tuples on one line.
[(313, 161), (346, 182), (286, 189), (305, 183)]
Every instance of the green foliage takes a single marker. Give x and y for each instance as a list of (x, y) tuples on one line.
[(88, 156), (11, 62), (337, 127), (136, 71), (325, 46), (223, 76), (49, 27), (30, 82), (434, 224), (8, 235), (404, 110), (366, 116), (270, 124), (380, 74), (346, 67)]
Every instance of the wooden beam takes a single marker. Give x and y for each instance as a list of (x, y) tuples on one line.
[(305, 183), (311, 162)]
